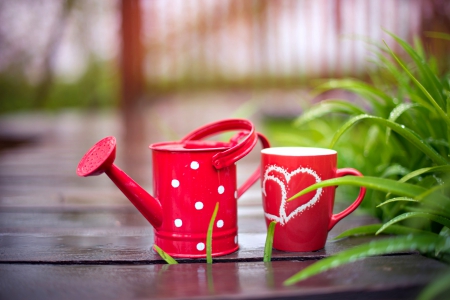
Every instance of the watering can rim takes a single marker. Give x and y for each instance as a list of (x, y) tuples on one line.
[(191, 146)]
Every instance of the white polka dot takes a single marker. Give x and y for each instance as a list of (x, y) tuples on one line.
[(198, 205), (175, 183), (178, 222), (220, 223), (194, 165), (200, 246), (221, 189)]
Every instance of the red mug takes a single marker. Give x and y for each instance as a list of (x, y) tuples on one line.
[(189, 177), (302, 223)]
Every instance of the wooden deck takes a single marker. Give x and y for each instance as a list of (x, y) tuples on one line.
[(65, 237)]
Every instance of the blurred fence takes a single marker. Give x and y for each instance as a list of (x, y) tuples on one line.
[(263, 43), (196, 44)]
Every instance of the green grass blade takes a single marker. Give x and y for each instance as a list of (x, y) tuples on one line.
[(364, 89), (269, 242), (209, 259), (165, 256), (423, 69), (437, 107), (423, 243), (397, 199), (408, 134), (326, 107), (438, 35), (397, 112), (376, 183), (420, 101), (394, 170), (437, 287), (433, 217), (373, 228), (400, 109), (372, 139), (435, 189), (437, 169)]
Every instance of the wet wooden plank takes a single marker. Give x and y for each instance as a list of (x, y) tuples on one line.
[(374, 278), (83, 235), (99, 247)]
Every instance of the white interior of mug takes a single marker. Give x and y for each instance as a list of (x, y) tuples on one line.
[(298, 151)]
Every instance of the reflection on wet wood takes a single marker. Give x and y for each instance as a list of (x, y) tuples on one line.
[(376, 278)]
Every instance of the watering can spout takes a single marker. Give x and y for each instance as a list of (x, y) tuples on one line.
[(100, 159)]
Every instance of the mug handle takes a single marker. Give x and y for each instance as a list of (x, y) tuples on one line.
[(339, 216)]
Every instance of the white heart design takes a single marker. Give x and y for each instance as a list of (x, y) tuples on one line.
[(283, 218)]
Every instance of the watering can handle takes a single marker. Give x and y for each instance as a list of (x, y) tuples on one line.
[(248, 139)]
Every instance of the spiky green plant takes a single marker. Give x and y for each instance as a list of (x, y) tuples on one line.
[(404, 132)]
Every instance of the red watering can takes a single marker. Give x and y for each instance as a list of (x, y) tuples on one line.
[(189, 177)]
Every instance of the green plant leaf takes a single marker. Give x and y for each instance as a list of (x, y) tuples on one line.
[(433, 190), (397, 112), (433, 217), (209, 259), (445, 231), (422, 243), (436, 287), (428, 76), (269, 242), (326, 107), (373, 228), (422, 102), (394, 170), (400, 109), (437, 107), (372, 139), (165, 256), (438, 35), (437, 169), (398, 199), (364, 89), (408, 134), (376, 183)]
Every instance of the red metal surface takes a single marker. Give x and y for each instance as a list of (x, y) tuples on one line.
[(303, 223), (189, 178)]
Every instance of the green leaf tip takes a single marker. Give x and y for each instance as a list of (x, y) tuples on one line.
[(164, 255), (269, 242), (209, 235), (433, 217), (376, 183), (420, 242)]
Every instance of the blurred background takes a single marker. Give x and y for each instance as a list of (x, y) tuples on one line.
[(158, 69)]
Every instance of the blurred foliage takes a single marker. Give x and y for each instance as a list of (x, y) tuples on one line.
[(402, 131), (96, 88)]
